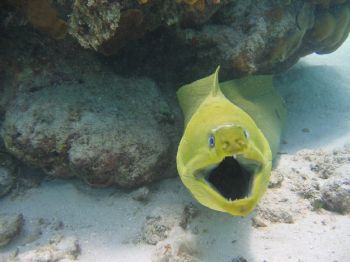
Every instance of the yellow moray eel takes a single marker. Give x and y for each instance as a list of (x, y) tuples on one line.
[(232, 132)]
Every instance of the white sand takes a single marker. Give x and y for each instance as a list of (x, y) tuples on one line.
[(108, 222)]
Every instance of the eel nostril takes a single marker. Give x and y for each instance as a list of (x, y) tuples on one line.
[(239, 142), (225, 145)]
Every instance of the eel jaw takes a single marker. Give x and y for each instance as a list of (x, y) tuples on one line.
[(233, 178)]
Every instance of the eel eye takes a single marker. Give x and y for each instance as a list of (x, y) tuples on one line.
[(246, 134), (211, 141)]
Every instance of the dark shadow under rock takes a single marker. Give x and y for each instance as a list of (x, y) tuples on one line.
[(7, 173)]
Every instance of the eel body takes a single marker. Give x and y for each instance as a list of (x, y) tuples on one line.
[(232, 133)]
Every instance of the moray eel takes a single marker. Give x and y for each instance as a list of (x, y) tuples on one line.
[(232, 132)]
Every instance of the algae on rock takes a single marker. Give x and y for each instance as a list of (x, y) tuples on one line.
[(192, 36), (93, 22)]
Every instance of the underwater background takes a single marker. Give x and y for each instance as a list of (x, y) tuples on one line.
[(90, 126)]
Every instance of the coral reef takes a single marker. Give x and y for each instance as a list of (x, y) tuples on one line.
[(244, 37), (259, 37)]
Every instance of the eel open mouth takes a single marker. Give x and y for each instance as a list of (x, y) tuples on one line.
[(233, 178)]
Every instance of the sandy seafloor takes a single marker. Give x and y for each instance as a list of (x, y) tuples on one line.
[(108, 223)]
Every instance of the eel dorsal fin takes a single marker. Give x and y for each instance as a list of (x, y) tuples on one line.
[(190, 96), (215, 85)]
